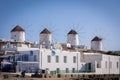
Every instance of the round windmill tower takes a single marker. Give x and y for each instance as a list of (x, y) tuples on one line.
[(18, 34), (96, 43), (45, 37), (72, 38)]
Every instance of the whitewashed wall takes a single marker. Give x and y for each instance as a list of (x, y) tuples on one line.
[(91, 58), (109, 65), (53, 65), (96, 45), (73, 39), (45, 38), (18, 36)]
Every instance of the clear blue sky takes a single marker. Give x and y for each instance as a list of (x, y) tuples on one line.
[(89, 17)]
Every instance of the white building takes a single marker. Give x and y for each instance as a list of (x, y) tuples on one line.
[(45, 37), (18, 34), (59, 58), (72, 38), (96, 44), (102, 63)]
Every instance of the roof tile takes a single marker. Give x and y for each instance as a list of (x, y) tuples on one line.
[(96, 38), (45, 31), (17, 28), (72, 32)]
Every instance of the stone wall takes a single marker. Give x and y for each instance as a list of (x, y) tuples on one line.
[(63, 77)]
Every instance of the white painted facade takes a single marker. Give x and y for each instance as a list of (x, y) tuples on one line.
[(45, 38), (91, 58), (109, 65), (102, 63), (42, 60), (73, 39), (18, 36), (53, 65), (96, 45)]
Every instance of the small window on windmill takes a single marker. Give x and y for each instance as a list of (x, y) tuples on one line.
[(31, 53)]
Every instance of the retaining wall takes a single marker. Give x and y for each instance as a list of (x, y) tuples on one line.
[(63, 77)]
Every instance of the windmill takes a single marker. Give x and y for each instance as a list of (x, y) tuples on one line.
[(79, 29), (102, 38)]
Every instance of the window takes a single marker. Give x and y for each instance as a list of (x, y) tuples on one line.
[(105, 64), (49, 58), (31, 53), (57, 59), (67, 70), (117, 64), (35, 57), (58, 70), (98, 65), (89, 66), (110, 64), (73, 70), (74, 59), (18, 58), (25, 57), (65, 59)]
